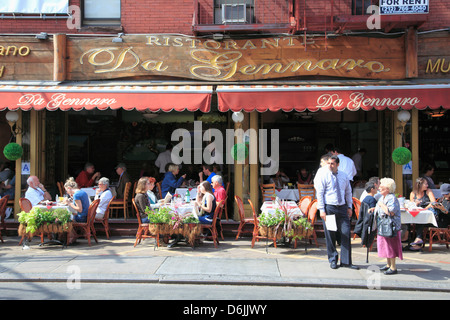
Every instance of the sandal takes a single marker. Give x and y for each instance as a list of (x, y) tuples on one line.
[(417, 243)]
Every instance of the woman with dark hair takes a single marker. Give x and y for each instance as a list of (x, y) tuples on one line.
[(423, 197), (206, 202)]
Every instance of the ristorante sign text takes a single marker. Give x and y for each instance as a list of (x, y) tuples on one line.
[(154, 56)]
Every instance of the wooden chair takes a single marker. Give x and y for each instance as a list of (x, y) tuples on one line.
[(312, 216), (105, 220), (243, 221), (61, 189), (143, 228), (226, 207), (3, 203), (133, 194), (256, 236), (357, 207), (442, 235), (219, 217), (303, 204), (25, 205), (122, 204), (268, 191), (158, 185), (306, 190), (213, 226), (87, 228)]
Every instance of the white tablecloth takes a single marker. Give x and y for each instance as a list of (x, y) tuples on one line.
[(183, 209), (54, 207), (182, 192), (357, 192), (424, 217), (91, 191), (287, 194), (270, 207)]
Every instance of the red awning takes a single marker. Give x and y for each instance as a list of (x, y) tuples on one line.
[(63, 97), (313, 98)]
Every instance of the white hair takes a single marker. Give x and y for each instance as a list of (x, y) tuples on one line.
[(104, 180), (217, 178), (388, 183)]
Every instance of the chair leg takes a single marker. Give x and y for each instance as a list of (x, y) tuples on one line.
[(239, 230), (106, 227), (138, 236)]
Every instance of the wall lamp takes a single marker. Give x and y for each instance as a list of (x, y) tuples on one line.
[(403, 116), (42, 36), (12, 117), (118, 38)]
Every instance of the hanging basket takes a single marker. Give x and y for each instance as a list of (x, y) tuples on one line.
[(401, 156), (270, 232), (13, 151)]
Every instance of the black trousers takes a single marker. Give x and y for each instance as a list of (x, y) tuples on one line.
[(343, 229)]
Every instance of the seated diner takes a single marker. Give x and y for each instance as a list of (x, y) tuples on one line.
[(105, 195), (80, 202)]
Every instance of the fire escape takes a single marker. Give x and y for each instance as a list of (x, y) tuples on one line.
[(295, 17)]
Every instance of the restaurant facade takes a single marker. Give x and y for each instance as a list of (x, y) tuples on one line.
[(110, 86)]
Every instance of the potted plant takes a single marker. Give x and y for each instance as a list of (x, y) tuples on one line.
[(271, 225)]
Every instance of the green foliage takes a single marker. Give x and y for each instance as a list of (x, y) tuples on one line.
[(13, 151), (401, 156), (161, 215), (37, 217), (270, 220)]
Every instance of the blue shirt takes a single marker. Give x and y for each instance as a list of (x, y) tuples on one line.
[(325, 185), (170, 183), (84, 198)]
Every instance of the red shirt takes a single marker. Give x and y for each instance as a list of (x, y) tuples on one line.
[(84, 179), (220, 194)]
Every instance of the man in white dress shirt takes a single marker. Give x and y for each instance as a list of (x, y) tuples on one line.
[(346, 164), (334, 197), (36, 191)]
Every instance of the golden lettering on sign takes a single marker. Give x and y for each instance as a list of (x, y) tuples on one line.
[(23, 51), (215, 61), (438, 66)]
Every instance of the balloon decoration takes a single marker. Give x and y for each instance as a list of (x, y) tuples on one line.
[(401, 156), (13, 151)]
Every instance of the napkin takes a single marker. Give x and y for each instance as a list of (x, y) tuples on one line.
[(414, 213), (167, 198)]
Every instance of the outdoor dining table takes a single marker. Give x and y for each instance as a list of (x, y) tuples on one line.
[(287, 194), (420, 216), (92, 190), (270, 207), (51, 207), (182, 192)]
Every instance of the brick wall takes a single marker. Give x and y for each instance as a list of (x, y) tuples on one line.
[(163, 16), (439, 16)]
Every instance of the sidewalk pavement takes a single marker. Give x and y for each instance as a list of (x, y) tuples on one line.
[(233, 262)]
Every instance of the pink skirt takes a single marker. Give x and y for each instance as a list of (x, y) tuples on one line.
[(390, 247)]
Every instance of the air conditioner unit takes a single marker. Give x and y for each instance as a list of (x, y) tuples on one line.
[(233, 13)]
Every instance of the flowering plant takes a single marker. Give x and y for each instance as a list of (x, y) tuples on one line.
[(161, 215)]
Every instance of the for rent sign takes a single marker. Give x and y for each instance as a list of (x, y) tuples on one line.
[(403, 6)]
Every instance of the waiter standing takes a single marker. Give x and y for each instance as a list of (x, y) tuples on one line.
[(334, 197)]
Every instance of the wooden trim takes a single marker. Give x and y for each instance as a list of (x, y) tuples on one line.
[(411, 51), (415, 143), (60, 57)]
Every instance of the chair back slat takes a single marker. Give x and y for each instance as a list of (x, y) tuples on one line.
[(25, 204), (312, 211), (255, 217)]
